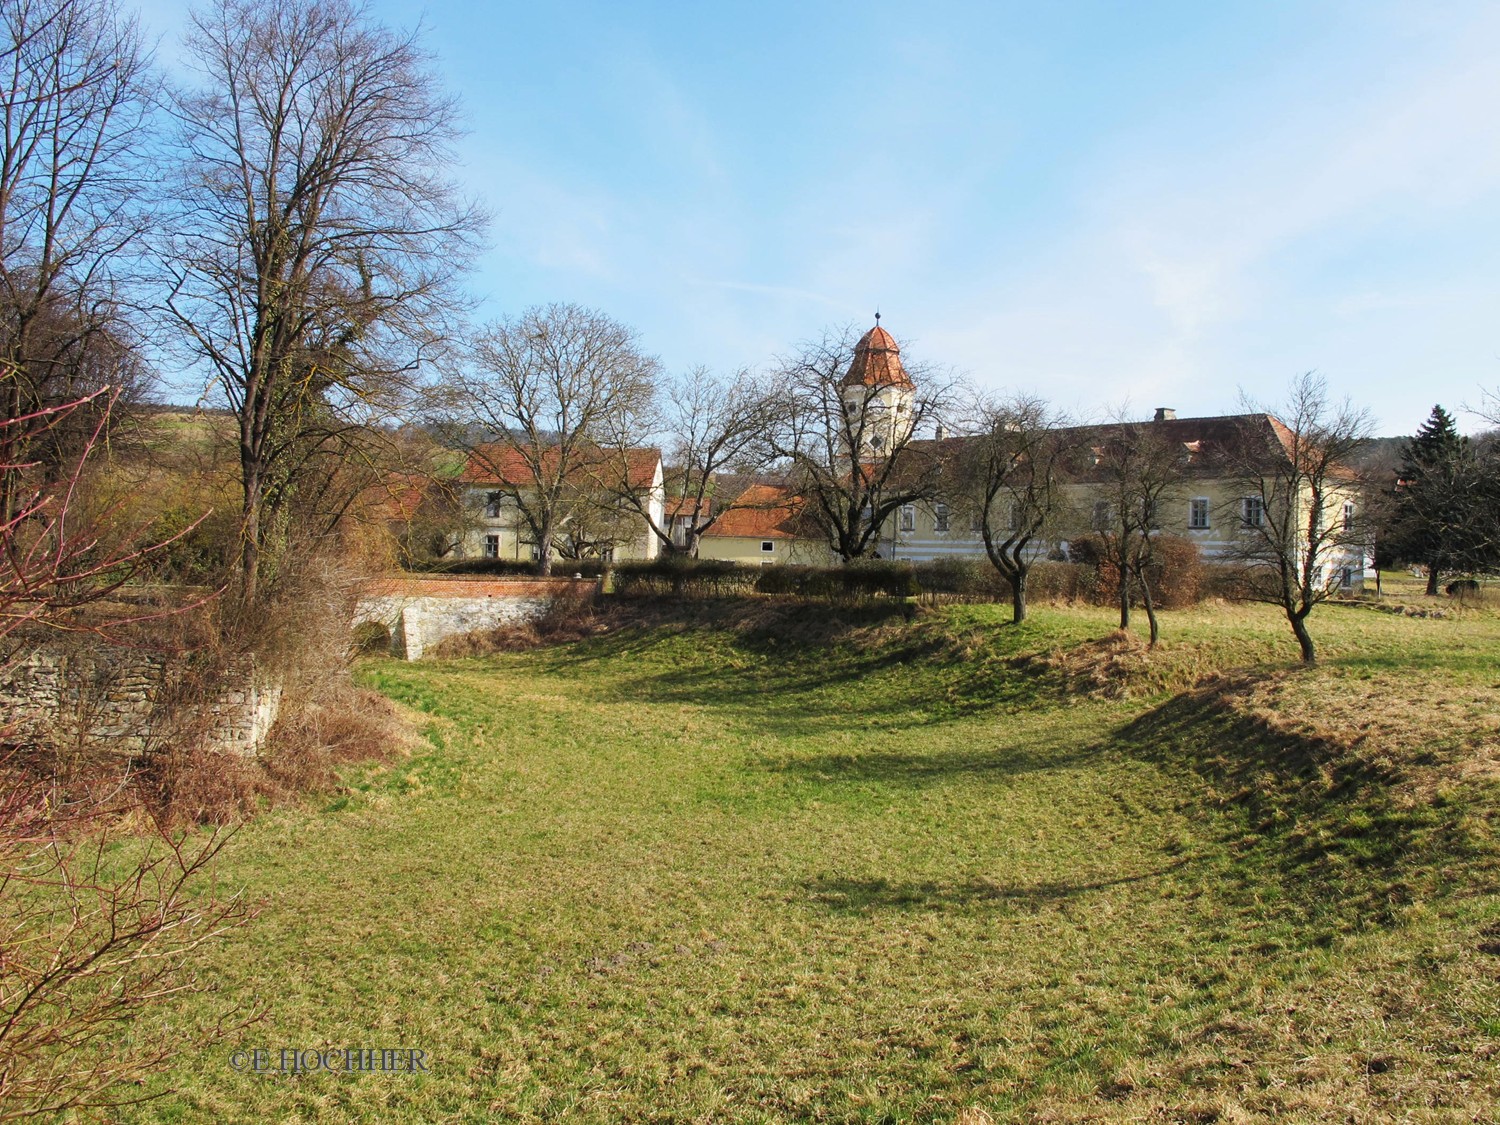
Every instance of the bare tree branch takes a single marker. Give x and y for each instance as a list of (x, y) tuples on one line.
[(316, 235), (1295, 533), (553, 390)]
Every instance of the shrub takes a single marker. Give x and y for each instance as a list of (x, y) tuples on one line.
[(968, 579), (858, 581), (589, 568), (1176, 575), (683, 577), (1061, 581)]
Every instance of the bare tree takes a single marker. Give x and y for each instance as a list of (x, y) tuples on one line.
[(851, 448), (89, 946), (316, 236), (93, 931), (1296, 531), (1139, 473), (711, 425), (1010, 472), (552, 388), (77, 89)]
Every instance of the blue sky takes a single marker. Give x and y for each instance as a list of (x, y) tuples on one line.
[(1156, 204)]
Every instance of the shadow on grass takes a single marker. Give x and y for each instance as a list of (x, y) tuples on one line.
[(893, 768), (793, 669), (864, 896), (1325, 820)]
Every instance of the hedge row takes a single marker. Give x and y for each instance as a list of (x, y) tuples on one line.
[(858, 581), (561, 568), (1178, 577), (683, 578)]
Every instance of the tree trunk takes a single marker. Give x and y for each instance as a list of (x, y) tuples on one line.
[(1432, 579), (1018, 597), (250, 513), (1124, 575), (544, 551), (1150, 607), (1304, 638)]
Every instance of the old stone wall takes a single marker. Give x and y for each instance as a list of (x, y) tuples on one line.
[(129, 700), (420, 612)]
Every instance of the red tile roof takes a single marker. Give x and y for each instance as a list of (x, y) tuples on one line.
[(503, 463), (680, 506), (762, 511), (877, 362)]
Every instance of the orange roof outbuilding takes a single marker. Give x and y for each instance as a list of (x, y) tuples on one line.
[(762, 511)]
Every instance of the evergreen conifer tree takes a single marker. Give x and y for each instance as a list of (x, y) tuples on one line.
[(1434, 518)]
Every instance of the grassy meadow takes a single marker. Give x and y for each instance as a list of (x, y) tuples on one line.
[(729, 864)]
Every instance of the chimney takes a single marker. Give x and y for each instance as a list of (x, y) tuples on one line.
[(940, 433), (1164, 414)]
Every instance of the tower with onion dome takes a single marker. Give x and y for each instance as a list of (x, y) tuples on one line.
[(878, 395)]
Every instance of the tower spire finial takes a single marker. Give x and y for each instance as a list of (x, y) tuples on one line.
[(877, 314)]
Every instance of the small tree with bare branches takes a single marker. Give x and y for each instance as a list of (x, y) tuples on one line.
[(854, 461), (711, 425), (1293, 472), (550, 392), (1138, 473), (1010, 473)]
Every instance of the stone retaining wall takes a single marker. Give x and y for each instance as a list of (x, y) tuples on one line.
[(420, 612), (130, 701)]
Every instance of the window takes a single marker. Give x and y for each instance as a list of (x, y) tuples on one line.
[(1346, 574), (492, 546), (908, 517), (492, 505), (1152, 514), (1198, 513), (1101, 515), (1013, 522), (877, 443), (1348, 515), (940, 518), (1252, 512), (767, 545)]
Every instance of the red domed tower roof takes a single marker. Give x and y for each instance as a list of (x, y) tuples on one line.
[(877, 362)]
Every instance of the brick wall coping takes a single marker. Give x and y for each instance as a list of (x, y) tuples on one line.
[(472, 586)]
